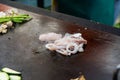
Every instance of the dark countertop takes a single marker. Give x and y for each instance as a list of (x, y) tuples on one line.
[(20, 49), (64, 17)]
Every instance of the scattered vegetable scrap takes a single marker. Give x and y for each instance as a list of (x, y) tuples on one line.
[(10, 74), (66, 45), (79, 78), (8, 18)]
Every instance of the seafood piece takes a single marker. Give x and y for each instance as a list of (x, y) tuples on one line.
[(9, 23), (2, 14), (50, 37), (3, 28), (12, 11), (72, 48), (51, 46), (63, 52), (67, 45)]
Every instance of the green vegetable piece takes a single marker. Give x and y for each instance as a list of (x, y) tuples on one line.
[(4, 20), (16, 18), (117, 25), (10, 71), (15, 77), (4, 76)]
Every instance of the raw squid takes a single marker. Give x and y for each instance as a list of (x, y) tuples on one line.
[(66, 45), (50, 37)]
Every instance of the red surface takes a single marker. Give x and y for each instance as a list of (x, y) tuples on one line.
[(4, 7)]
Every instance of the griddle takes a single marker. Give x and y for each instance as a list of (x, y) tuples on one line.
[(20, 49)]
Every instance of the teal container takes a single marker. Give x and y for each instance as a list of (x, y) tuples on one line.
[(28, 2), (97, 10)]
